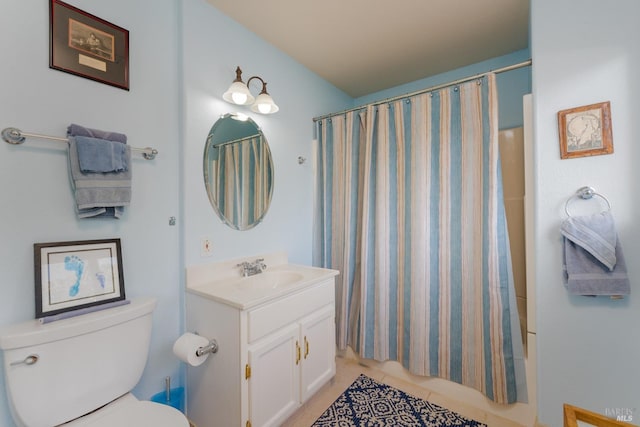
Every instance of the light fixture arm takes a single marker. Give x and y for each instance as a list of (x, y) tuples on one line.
[(264, 84)]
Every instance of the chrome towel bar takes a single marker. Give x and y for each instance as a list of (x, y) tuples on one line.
[(16, 136)]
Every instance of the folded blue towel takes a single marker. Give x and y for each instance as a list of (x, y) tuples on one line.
[(99, 194), (596, 234), (101, 155), (77, 130), (593, 260)]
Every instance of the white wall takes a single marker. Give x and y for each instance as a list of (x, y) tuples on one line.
[(588, 348), (213, 45)]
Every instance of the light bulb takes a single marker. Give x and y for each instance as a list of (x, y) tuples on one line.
[(239, 98), (264, 108)]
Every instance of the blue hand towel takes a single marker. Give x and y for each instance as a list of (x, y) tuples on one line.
[(596, 234), (593, 260), (77, 130), (99, 194), (101, 155)]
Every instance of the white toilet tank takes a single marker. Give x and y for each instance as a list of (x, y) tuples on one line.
[(81, 363)]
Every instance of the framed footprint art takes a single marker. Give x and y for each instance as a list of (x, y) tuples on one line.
[(75, 275)]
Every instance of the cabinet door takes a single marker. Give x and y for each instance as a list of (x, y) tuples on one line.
[(317, 335), (275, 377)]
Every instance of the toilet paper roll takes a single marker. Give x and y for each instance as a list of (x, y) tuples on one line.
[(185, 348)]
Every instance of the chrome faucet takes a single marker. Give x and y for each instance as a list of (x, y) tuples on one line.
[(252, 268)]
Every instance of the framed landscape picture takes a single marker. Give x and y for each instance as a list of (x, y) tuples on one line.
[(87, 46)]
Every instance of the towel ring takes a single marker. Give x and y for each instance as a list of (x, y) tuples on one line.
[(585, 193)]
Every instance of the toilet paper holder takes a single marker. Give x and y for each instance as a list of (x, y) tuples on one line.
[(210, 348)]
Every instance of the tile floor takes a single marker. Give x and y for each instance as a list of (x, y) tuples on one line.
[(347, 370)]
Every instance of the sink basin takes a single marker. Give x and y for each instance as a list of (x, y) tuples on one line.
[(269, 280), (221, 281)]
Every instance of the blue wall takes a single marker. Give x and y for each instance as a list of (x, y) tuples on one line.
[(171, 108), (588, 348), (512, 85), (182, 56), (37, 204), (212, 46)]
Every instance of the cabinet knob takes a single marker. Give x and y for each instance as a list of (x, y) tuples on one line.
[(297, 352), (306, 347)]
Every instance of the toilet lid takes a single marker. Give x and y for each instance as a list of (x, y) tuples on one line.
[(130, 412)]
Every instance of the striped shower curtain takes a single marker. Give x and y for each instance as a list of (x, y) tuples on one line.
[(242, 180), (409, 209)]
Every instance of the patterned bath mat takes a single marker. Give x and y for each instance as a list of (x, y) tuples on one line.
[(368, 403)]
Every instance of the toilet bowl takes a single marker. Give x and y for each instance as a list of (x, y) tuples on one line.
[(80, 371)]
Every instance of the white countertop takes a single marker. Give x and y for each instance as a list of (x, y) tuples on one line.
[(242, 292)]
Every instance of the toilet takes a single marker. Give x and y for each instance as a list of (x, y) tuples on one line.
[(80, 371)]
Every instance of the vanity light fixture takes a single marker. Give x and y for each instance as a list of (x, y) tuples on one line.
[(239, 94)]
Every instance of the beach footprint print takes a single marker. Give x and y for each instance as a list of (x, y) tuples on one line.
[(75, 264), (101, 278)]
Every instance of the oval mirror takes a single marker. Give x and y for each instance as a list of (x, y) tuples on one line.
[(238, 171)]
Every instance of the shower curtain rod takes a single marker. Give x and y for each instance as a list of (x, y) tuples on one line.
[(430, 89), (235, 141)]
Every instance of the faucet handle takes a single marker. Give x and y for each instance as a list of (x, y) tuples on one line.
[(245, 267), (260, 265)]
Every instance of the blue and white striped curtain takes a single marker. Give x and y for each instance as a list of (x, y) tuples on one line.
[(243, 177), (409, 209)]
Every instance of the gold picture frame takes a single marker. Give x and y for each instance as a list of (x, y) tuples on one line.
[(585, 131)]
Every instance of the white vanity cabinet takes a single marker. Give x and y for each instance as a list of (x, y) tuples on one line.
[(271, 357), (288, 365)]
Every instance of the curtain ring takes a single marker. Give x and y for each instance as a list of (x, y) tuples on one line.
[(585, 193)]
